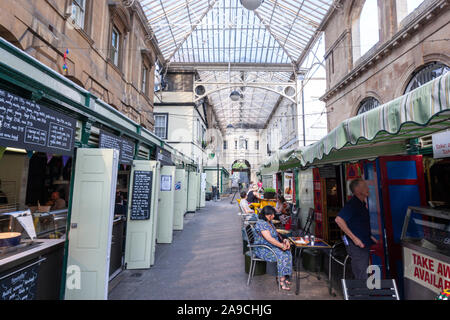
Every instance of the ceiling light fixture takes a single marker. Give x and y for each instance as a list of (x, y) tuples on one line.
[(235, 95), (251, 4)]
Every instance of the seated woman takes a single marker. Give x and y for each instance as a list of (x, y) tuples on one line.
[(267, 234), (253, 196)]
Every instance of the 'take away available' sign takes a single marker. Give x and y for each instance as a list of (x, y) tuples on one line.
[(427, 271), (28, 125)]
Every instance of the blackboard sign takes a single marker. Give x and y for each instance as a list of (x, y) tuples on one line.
[(124, 145), (141, 195), (164, 156), (27, 125), (328, 171), (20, 285)]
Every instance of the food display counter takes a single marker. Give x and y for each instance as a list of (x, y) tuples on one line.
[(30, 268), (426, 252)]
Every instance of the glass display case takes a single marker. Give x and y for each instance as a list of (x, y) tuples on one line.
[(426, 252), (428, 228), (50, 225)]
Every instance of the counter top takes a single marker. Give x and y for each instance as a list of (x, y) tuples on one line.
[(45, 246)]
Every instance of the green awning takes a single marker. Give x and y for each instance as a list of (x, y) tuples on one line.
[(384, 130)]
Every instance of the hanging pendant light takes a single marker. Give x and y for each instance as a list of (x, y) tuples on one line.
[(235, 95), (251, 4)]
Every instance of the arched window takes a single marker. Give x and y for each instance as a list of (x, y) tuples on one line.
[(365, 28), (367, 104), (429, 72)]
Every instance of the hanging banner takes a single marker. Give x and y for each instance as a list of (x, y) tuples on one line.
[(27, 125), (288, 185)]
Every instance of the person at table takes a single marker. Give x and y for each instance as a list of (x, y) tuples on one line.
[(253, 196), (354, 220), (281, 208), (266, 234), (56, 202), (244, 204)]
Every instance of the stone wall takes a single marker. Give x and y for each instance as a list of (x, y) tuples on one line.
[(45, 30), (385, 70)]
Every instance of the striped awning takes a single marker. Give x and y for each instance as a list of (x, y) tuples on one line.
[(384, 130)]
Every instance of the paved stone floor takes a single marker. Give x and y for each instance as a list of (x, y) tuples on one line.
[(205, 261)]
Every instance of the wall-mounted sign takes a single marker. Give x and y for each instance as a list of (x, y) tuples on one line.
[(441, 144), (164, 156), (141, 195), (327, 171), (27, 125), (124, 145), (178, 185), (427, 271), (166, 183)]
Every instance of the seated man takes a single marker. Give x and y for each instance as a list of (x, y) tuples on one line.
[(244, 204), (253, 196), (56, 202)]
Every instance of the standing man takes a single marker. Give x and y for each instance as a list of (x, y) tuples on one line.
[(354, 220)]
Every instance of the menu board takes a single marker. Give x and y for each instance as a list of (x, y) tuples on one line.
[(141, 195), (124, 145), (164, 156), (20, 285), (27, 125)]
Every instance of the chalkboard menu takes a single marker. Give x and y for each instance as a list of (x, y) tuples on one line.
[(20, 285), (141, 195), (164, 156), (124, 145), (27, 125), (328, 171)]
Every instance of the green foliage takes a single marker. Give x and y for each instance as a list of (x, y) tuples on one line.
[(270, 190)]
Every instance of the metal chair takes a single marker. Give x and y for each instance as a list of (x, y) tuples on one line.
[(308, 223), (334, 248), (250, 232), (358, 290)]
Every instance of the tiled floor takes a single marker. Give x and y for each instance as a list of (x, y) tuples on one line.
[(205, 261)]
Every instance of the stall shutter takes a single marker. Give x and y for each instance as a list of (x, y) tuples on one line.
[(166, 205), (91, 223), (192, 192), (140, 233), (180, 199)]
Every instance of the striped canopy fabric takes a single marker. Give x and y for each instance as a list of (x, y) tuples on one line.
[(380, 131)]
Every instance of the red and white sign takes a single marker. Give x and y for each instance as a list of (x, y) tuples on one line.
[(425, 270), (441, 144)]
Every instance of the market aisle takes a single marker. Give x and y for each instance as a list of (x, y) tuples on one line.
[(205, 261)]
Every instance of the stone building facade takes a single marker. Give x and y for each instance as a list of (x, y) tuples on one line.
[(412, 37), (111, 51)]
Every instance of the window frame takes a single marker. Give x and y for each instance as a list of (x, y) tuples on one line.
[(363, 102), (166, 115), (225, 145), (144, 79), (83, 9), (113, 49)]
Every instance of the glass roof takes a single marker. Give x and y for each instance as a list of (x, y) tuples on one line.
[(223, 31), (218, 33)]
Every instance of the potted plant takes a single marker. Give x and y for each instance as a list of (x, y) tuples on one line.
[(269, 193)]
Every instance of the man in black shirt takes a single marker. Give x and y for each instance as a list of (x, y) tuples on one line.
[(354, 220), (253, 195)]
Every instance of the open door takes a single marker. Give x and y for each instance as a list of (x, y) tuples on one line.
[(180, 199), (155, 216), (91, 222), (375, 206), (143, 201), (402, 185), (164, 233)]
